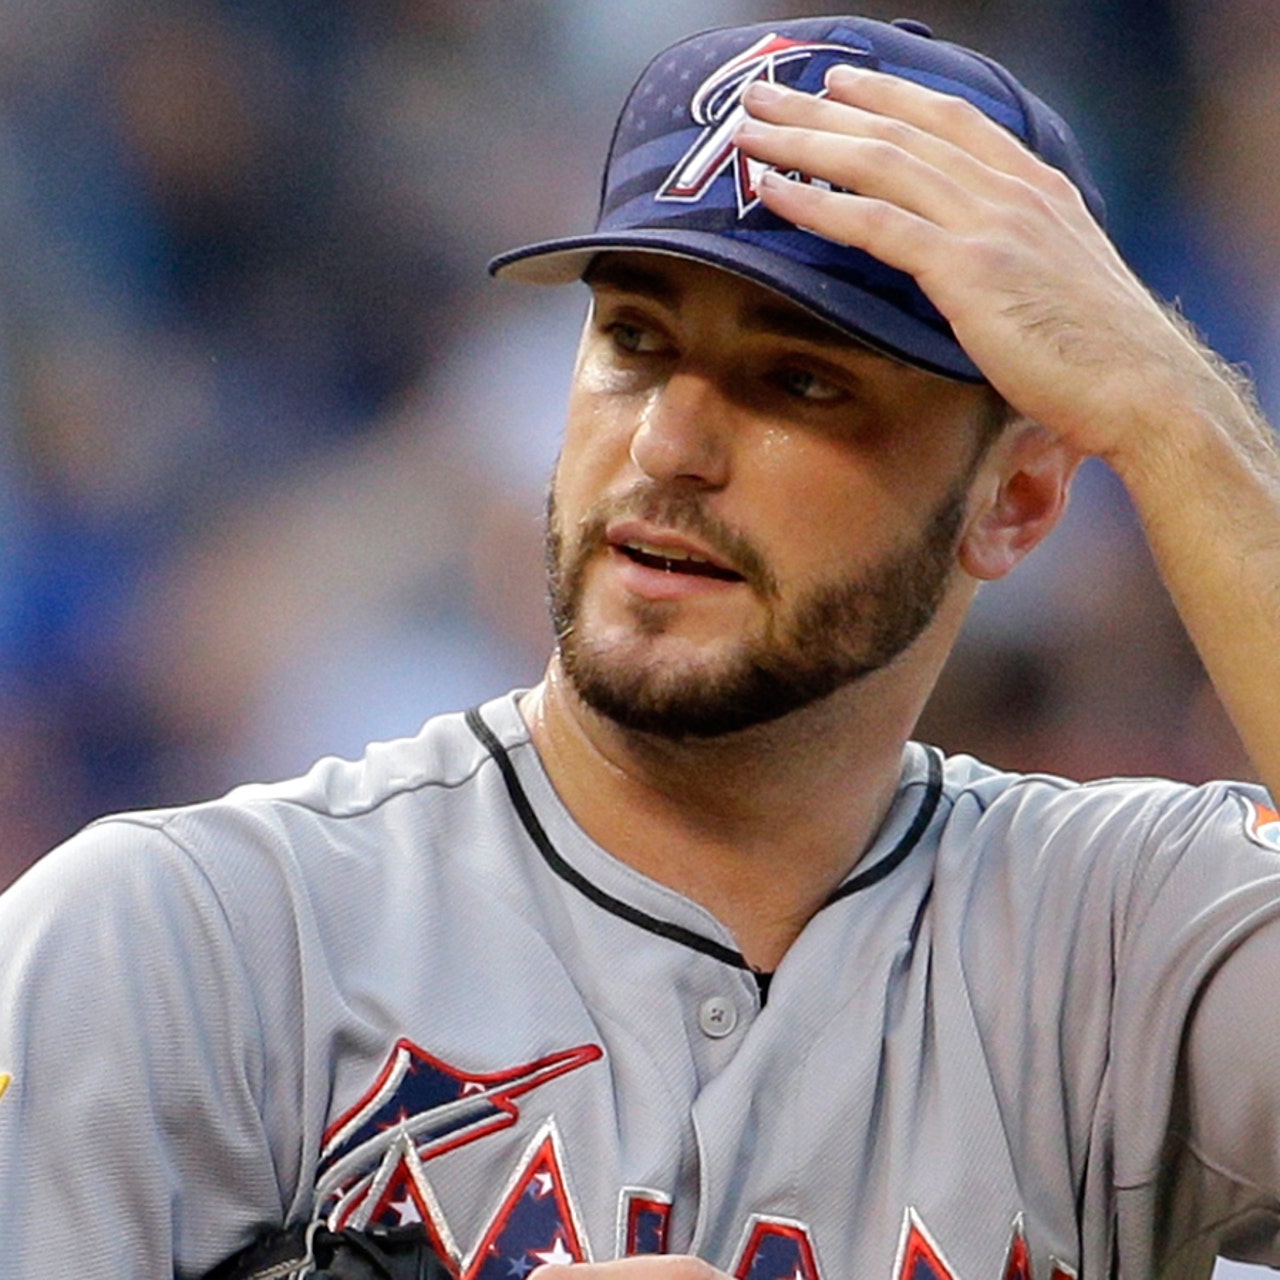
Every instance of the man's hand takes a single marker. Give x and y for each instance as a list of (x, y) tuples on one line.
[(665, 1266), (1004, 246), (1000, 241)]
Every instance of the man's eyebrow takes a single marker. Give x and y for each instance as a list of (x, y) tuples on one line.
[(780, 318), (627, 277), (792, 322)]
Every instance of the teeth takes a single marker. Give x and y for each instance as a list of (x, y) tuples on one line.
[(666, 553)]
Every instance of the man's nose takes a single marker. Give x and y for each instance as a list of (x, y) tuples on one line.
[(684, 432)]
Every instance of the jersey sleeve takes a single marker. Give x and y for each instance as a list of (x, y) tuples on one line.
[(1232, 1064), (1196, 1038), (132, 1139)]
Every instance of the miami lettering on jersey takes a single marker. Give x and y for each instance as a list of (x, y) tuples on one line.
[(919, 1258), (717, 106), (373, 1170)]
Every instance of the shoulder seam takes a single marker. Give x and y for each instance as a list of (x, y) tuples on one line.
[(1019, 780), (162, 819)]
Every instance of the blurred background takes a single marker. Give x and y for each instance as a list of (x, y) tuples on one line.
[(273, 446)]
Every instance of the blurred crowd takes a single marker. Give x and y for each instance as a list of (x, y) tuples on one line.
[(273, 447)]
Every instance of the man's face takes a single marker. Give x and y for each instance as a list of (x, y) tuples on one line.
[(750, 511)]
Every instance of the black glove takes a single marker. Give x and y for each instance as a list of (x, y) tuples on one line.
[(314, 1252)]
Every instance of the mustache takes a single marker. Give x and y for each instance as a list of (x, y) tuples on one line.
[(682, 510)]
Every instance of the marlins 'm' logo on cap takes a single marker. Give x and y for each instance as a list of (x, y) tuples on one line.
[(717, 105), (1261, 823)]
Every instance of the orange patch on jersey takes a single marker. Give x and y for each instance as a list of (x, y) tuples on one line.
[(1261, 824)]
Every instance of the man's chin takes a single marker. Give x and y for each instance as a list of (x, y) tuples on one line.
[(689, 700), (665, 632)]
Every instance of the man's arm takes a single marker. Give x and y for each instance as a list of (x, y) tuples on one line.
[(1005, 248), (131, 1139)]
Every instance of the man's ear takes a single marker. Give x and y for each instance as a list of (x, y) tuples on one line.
[(1018, 496)]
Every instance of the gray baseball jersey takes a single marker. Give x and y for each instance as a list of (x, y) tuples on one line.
[(1034, 1034)]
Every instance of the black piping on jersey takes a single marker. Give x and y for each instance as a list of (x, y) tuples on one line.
[(537, 833), (664, 928), (919, 825)]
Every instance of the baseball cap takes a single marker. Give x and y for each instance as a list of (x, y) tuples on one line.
[(674, 183)]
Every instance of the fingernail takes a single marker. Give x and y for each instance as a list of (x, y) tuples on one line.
[(764, 92), (750, 130), (845, 72)]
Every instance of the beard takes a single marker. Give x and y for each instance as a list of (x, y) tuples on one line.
[(835, 633)]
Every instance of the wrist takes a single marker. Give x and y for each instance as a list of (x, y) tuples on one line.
[(1204, 413)]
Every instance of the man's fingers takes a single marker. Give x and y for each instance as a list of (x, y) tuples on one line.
[(896, 236), (954, 121), (777, 105), (869, 167), (893, 120), (940, 115), (671, 1266)]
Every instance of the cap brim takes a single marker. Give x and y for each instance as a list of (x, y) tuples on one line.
[(854, 311)]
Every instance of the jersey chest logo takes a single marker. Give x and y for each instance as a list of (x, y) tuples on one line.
[(374, 1170), (373, 1164)]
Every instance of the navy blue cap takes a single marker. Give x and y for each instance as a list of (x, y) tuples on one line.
[(674, 183)]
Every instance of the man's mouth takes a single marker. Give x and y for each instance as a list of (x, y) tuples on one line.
[(675, 560)]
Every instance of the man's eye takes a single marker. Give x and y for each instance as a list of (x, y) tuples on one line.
[(806, 385), (633, 339)]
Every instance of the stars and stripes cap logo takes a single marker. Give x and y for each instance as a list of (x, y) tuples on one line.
[(674, 182), (717, 106)]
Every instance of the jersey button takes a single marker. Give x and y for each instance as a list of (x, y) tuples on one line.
[(717, 1016)]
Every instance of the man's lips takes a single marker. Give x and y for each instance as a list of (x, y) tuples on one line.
[(675, 560), (667, 552)]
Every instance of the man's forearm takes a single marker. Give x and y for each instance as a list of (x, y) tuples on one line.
[(1207, 489)]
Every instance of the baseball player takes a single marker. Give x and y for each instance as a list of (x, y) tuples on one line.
[(689, 962)]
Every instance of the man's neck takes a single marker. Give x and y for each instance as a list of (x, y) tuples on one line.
[(758, 827)]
